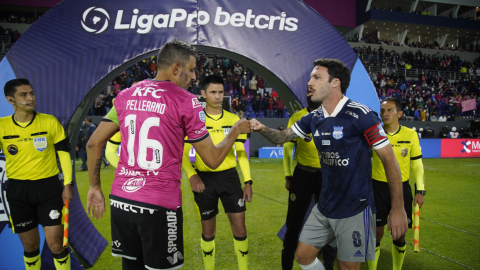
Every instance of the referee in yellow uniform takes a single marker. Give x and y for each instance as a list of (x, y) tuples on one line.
[(302, 184), (30, 141), (406, 146), (209, 185)]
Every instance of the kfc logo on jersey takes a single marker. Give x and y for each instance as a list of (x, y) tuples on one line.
[(133, 184), (195, 103)]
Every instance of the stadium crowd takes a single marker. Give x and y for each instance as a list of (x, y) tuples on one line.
[(251, 95)]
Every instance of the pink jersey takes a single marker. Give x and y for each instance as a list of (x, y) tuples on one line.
[(154, 117)]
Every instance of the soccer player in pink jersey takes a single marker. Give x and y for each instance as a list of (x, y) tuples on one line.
[(153, 117)]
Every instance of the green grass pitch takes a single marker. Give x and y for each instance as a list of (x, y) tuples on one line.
[(452, 200)]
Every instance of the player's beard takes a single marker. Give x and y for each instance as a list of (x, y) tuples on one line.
[(184, 80), (313, 105)]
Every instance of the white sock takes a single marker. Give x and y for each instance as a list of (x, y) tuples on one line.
[(315, 265)]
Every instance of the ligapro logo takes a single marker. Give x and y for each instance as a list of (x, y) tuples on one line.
[(95, 20)]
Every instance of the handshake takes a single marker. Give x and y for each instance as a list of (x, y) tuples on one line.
[(249, 126)]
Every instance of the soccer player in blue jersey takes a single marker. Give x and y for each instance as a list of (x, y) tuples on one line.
[(344, 133)]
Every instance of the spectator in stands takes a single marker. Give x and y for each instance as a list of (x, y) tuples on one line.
[(416, 114), (260, 85), (197, 88), (235, 105), (109, 100), (257, 103), (253, 86), (241, 106), (98, 104), (280, 107), (270, 105), (245, 85), (442, 118), (453, 134)]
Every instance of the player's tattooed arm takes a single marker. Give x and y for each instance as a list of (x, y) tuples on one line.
[(96, 172), (273, 135), (277, 136)]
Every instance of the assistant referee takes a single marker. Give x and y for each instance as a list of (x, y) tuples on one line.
[(30, 141), (407, 150), (223, 182)]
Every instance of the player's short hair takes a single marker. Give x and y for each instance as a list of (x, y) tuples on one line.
[(211, 79), (398, 104), (336, 69), (11, 86), (175, 51)]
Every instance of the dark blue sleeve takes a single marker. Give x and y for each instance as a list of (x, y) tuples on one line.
[(302, 126)]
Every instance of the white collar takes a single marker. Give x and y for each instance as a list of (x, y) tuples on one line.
[(337, 109)]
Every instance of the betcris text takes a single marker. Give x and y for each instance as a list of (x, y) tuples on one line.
[(143, 23)]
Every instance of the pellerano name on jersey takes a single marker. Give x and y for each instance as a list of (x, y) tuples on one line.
[(143, 23)]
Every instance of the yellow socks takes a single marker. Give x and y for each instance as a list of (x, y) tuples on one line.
[(372, 265), (62, 260), (32, 260), (208, 250), (240, 244), (398, 254)]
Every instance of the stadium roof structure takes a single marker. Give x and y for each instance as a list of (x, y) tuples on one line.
[(453, 20)]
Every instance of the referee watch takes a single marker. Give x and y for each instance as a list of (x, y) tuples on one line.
[(288, 178), (423, 192), (248, 182)]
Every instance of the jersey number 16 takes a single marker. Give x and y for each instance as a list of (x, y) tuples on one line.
[(144, 143)]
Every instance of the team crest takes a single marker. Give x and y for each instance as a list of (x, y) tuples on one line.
[(404, 152), (202, 116), (337, 133), (12, 149), (40, 143)]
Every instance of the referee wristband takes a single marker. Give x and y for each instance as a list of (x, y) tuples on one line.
[(248, 182)]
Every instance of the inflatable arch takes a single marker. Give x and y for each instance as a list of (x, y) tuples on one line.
[(77, 47)]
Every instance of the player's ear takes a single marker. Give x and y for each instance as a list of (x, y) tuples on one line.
[(176, 69), (10, 100), (204, 94)]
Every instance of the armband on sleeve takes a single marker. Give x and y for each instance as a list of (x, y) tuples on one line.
[(418, 173), (63, 146)]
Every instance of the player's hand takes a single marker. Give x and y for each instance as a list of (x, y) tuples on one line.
[(418, 199), (197, 184), (95, 202), (287, 184), (243, 125), (255, 125), (397, 222), (247, 193), (67, 194)]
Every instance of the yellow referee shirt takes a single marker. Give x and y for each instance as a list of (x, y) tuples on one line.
[(406, 146), (306, 153), (219, 126), (29, 147)]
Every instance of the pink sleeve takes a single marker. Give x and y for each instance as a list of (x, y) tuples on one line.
[(193, 120)]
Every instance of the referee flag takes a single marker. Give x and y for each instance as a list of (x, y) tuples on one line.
[(416, 229), (65, 225)]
